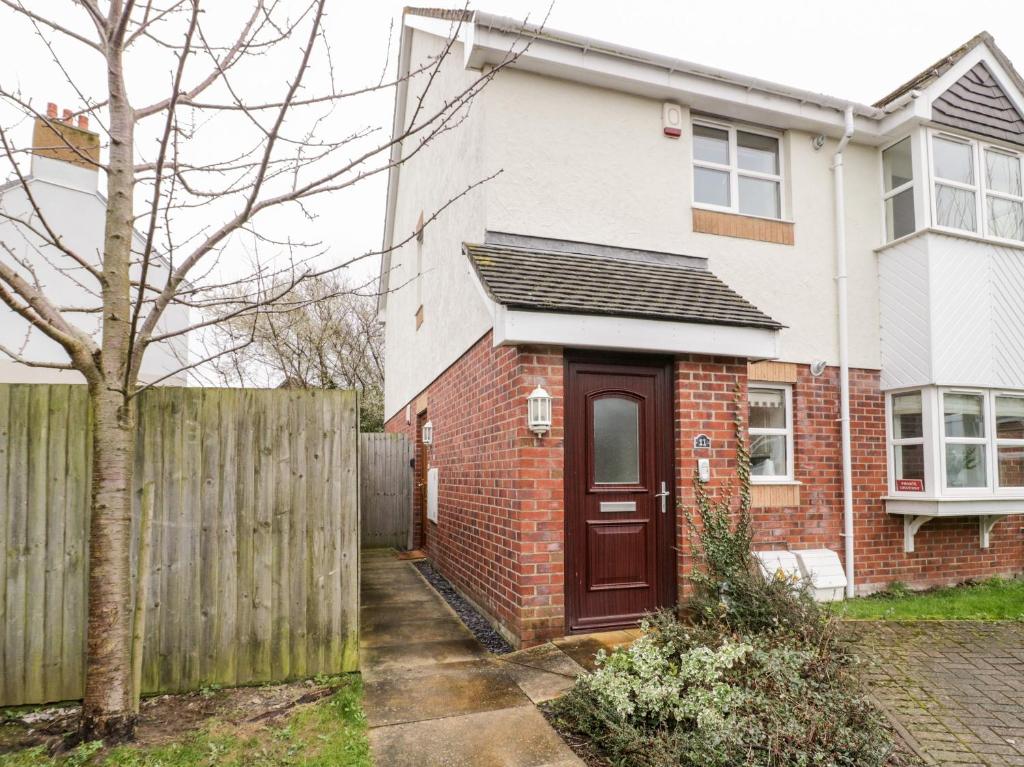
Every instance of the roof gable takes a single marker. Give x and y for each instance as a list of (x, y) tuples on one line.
[(977, 103)]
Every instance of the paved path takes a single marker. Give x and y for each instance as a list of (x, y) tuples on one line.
[(435, 698), (957, 687)]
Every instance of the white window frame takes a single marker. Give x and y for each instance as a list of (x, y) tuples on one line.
[(1008, 490), (734, 171), (979, 188), (787, 432), (922, 440), (985, 442), (983, 151), (886, 196)]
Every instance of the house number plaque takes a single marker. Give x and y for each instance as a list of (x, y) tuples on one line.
[(702, 442)]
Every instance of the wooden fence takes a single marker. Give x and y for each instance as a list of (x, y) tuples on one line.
[(254, 536), (386, 478)]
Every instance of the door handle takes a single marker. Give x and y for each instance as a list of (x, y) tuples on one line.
[(663, 495)]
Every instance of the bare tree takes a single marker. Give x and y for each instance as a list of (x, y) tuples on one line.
[(323, 334), (168, 188)]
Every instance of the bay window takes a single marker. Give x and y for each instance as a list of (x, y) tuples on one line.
[(977, 187), (737, 170), (771, 432), (956, 443)]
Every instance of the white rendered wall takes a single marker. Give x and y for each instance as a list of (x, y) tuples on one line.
[(952, 312), (68, 198), (590, 164), (455, 315), (584, 163)]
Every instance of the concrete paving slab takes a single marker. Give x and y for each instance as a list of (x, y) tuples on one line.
[(583, 647), (393, 631), (384, 595), (449, 689), (385, 660), (511, 737), (373, 619), (543, 672)]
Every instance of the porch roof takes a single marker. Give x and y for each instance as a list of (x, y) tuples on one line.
[(549, 280)]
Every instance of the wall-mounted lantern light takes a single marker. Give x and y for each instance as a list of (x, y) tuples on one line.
[(428, 433), (539, 412)]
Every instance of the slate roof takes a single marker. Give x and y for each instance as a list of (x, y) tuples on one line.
[(581, 283), (977, 103)]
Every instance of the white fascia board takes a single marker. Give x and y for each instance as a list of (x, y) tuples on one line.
[(703, 92), (587, 331)]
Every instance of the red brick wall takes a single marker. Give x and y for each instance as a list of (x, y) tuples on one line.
[(500, 533)]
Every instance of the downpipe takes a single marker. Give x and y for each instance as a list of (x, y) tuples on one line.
[(842, 294)]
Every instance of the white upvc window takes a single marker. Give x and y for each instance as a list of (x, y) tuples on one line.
[(977, 187), (907, 441), (1004, 197), (964, 454), (898, 189), (957, 443), (1009, 435), (771, 432), (737, 169)]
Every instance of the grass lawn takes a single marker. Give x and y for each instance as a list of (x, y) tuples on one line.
[(994, 599), (330, 732)]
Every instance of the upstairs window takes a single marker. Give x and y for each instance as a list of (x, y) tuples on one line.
[(1004, 198), (898, 180), (977, 188), (737, 170), (956, 191)]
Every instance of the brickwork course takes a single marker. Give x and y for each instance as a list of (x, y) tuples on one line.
[(500, 534), (955, 687)]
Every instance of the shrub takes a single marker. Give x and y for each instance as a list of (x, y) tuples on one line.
[(756, 678)]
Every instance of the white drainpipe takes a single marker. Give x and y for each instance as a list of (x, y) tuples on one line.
[(844, 349)]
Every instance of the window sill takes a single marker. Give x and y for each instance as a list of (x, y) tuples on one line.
[(958, 233), (710, 221), (959, 506)]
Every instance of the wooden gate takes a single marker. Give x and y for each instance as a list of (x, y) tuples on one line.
[(386, 479)]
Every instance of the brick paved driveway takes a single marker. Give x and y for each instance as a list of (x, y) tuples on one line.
[(957, 687)]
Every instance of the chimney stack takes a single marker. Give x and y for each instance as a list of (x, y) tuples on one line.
[(62, 140)]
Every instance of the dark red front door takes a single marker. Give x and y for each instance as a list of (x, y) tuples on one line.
[(620, 495)]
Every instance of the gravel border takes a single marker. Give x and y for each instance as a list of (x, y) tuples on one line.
[(474, 621)]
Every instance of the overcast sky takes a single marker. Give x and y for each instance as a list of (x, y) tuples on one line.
[(859, 51)]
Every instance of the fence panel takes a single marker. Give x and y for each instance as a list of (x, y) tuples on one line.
[(386, 478), (253, 542)]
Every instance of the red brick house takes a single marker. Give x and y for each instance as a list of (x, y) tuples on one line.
[(667, 248)]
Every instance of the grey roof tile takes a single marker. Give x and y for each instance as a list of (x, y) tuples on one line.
[(977, 103), (554, 281)]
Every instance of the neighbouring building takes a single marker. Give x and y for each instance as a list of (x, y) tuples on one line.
[(64, 196), (669, 247)]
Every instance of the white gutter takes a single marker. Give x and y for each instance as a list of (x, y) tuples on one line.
[(844, 349)]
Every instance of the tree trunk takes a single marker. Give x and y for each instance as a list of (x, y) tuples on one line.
[(107, 711)]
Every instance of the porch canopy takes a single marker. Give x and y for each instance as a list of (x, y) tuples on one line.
[(582, 295)]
